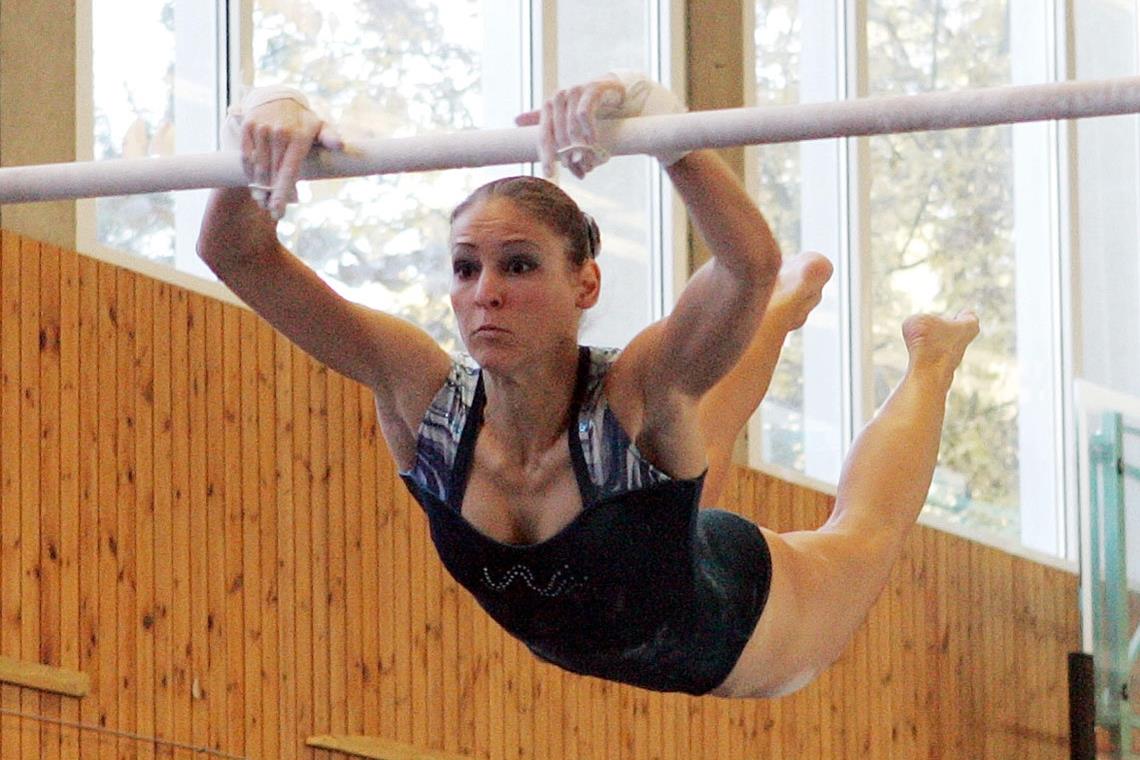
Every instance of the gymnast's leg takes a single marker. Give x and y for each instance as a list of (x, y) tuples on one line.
[(824, 581), (724, 410)]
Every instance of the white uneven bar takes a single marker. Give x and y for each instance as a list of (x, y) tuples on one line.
[(702, 129)]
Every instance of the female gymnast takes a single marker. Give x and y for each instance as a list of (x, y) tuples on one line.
[(563, 483)]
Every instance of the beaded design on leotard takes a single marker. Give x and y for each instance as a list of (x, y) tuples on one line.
[(613, 461), (561, 582)]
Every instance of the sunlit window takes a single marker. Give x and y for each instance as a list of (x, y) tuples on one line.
[(134, 117), (926, 222), (378, 70), (941, 234)]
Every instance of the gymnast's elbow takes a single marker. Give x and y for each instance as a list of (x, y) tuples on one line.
[(234, 230)]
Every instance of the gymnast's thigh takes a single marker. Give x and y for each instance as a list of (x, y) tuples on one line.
[(811, 612)]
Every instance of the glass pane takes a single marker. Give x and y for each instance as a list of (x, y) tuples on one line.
[(133, 72), (1108, 196), (616, 194), (383, 69), (941, 236), (778, 43)]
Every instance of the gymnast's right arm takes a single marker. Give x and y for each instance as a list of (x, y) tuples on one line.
[(399, 362)]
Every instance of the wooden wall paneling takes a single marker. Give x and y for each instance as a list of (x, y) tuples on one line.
[(380, 580), (30, 516), (182, 540), (643, 709), (974, 634), (539, 690), (143, 512), (401, 583), (898, 599), (289, 739), (319, 550), (302, 544), (935, 632), (87, 506), (197, 581), (49, 487), (214, 541), (354, 505), (914, 725), (449, 683), (162, 698), (418, 630), (107, 688), (231, 444), (526, 694), (467, 673), (10, 519), (336, 622), (69, 628), (509, 698), (495, 716), (134, 418), (478, 705), (125, 556), (268, 593), (251, 533), (1060, 594), (991, 645)]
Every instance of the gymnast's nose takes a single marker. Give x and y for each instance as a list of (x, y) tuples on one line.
[(489, 290)]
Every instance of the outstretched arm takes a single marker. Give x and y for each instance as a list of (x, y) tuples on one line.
[(400, 363)]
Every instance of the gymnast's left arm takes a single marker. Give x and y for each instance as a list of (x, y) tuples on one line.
[(720, 308)]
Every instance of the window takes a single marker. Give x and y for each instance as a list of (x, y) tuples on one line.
[(378, 70), (134, 117), (933, 221)]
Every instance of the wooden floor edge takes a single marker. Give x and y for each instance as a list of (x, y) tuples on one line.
[(378, 749), (33, 675)]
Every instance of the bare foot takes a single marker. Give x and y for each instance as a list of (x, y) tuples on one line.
[(799, 288), (938, 343)]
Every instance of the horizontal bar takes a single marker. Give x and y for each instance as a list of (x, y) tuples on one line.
[(701, 129)]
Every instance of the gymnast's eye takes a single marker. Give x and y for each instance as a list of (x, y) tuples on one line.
[(464, 269), (519, 264)]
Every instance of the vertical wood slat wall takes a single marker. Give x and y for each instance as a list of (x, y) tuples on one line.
[(206, 521)]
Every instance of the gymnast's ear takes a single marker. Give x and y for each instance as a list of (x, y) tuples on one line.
[(589, 284)]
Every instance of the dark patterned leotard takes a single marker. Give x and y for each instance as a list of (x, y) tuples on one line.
[(641, 587)]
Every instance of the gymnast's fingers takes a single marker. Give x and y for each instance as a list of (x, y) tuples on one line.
[(528, 119), (259, 158), (596, 98), (558, 120), (577, 117), (289, 153), (329, 137)]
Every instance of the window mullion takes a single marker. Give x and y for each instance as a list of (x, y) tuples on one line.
[(855, 287)]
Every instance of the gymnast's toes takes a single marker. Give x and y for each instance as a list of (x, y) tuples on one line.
[(800, 287), (939, 341)]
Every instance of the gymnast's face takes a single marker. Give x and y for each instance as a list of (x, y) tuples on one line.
[(514, 290)]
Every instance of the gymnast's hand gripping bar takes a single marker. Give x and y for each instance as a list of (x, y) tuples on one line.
[(677, 132)]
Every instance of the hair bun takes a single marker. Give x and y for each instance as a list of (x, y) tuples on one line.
[(593, 234)]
